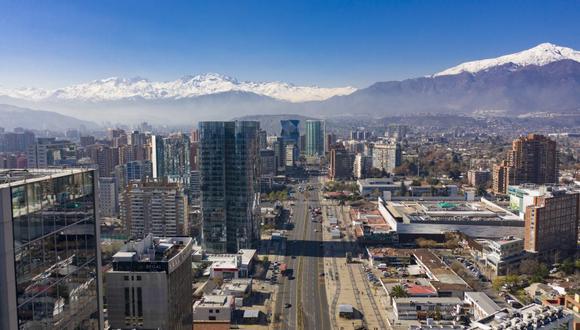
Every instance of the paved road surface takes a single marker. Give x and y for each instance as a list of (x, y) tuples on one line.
[(305, 292)]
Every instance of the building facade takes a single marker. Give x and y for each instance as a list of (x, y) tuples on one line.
[(533, 159), (290, 131), (149, 286), (340, 163), (154, 206), (315, 136), (551, 225), (229, 167), (387, 156), (50, 268)]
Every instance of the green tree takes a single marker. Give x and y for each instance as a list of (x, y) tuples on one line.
[(398, 291), (403, 189), (567, 266)]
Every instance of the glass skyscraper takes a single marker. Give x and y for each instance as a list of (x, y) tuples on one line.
[(229, 168), (314, 138), (290, 131), (49, 250)]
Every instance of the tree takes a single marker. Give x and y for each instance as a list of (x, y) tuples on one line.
[(529, 266), (403, 189), (398, 291), (425, 243), (568, 266)]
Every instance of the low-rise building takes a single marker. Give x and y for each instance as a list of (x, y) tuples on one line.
[(422, 308), (371, 228), (232, 266), (443, 279), (482, 305), (479, 219), (433, 191), (213, 308), (503, 256), (531, 316), (380, 185), (389, 256)]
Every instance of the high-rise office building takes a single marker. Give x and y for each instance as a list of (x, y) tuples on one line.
[(387, 156), (154, 206), (262, 139), (149, 286), (279, 147), (533, 159), (268, 162), (50, 261), (229, 168), (290, 131), (16, 141), (137, 170), (157, 156), (340, 163), (315, 138), (50, 152)]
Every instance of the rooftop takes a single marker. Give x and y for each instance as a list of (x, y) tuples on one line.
[(429, 300), (152, 249), (534, 315), (483, 301), (15, 177), (448, 212), (443, 277)]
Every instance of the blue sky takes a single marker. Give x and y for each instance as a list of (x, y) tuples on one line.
[(329, 43)]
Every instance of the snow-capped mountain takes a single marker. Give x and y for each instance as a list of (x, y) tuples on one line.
[(114, 89), (540, 55)]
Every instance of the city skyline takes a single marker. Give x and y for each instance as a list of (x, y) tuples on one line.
[(50, 46)]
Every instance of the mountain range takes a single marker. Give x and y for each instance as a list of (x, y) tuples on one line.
[(545, 78)]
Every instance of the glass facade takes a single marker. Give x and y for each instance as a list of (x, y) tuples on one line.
[(55, 252), (229, 167), (290, 131), (314, 138)]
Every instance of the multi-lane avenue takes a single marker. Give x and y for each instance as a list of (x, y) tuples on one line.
[(301, 301)]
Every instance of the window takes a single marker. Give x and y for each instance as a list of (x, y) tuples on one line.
[(126, 278), (127, 302), (217, 311), (139, 302), (212, 318)]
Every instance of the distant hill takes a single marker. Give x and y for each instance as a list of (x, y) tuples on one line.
[(12, 116)]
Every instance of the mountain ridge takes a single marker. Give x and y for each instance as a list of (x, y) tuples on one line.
[(115, 88)]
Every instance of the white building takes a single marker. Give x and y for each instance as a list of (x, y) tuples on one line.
[(504, 255), (213, 308), (362, 165), (533, 316), (387, 156), (479, 219), (482, 304)]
